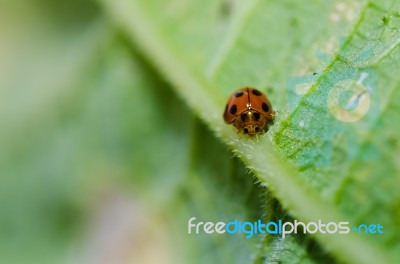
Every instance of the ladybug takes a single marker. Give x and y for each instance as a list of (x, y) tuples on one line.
[(249, 110)]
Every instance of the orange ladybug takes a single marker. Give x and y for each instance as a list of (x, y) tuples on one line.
[(249, 110)]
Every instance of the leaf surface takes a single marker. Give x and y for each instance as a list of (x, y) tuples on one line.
[(307, 135)]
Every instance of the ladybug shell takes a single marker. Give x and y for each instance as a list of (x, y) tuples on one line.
[(245, 99)]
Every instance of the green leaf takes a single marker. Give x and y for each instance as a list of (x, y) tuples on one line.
[(101, 159), (260, 49)]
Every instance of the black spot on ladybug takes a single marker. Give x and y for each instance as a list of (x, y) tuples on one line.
[(246, 131), (256, 116), (256, 92), (243, 117), (233, 109), (238, 94), (265, 107)]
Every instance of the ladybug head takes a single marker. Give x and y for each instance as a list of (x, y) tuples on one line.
[(251, 130), (250, 123)]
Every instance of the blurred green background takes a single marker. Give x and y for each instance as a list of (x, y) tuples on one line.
[(99, 157)]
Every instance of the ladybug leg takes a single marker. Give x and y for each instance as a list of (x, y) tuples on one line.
[(240, 134), (273, 115)]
